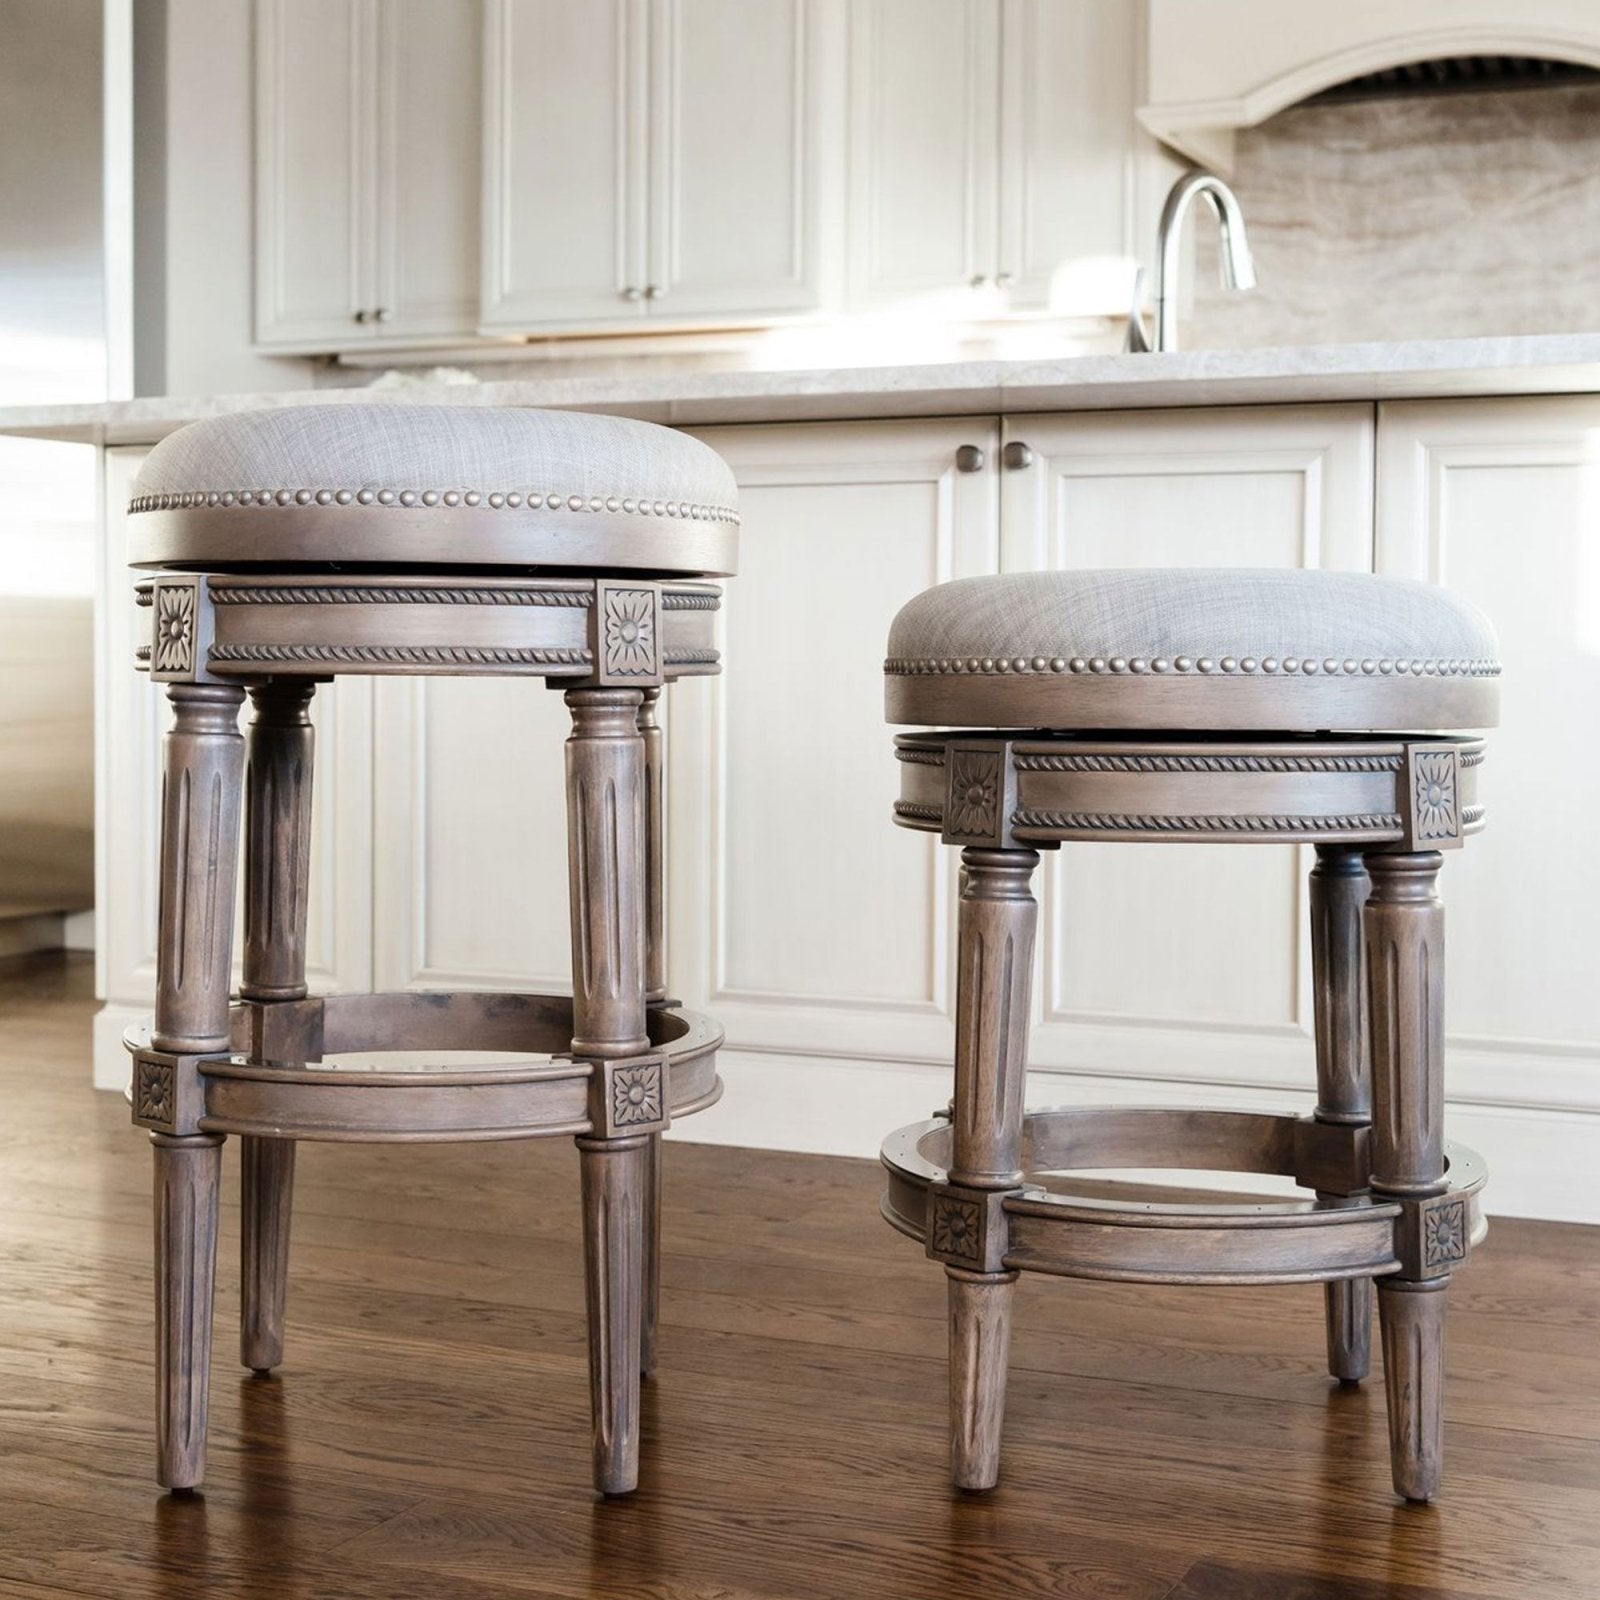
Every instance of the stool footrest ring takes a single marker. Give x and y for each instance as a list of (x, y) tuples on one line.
[(1043, 1227), (282, 1078)]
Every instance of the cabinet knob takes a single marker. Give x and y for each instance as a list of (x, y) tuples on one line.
[(652, 292), (980, 281), (360, 316), (381, 314), (969, 458), (1016, 455), (632, 295), (1003, 280)]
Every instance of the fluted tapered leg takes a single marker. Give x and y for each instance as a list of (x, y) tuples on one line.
[(266, 1192), (1339, 887), (188, 1172), (277, 871), (606, 861), (995, 961), (1405, 966), (199, 851), (655, 993), (650, 1268)]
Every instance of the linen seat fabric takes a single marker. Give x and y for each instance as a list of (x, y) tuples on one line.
[(1192, 649), (398, 485)]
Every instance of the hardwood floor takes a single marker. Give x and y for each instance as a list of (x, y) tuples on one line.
[(428, 1434)]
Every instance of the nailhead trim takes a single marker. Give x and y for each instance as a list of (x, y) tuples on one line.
[(513, 500), (1204, 666)]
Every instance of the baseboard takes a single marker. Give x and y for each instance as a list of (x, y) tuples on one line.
[(21, 936), (1543, 1162), (112, 1068)]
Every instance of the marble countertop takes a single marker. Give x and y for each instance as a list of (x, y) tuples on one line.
[(1417, 369)]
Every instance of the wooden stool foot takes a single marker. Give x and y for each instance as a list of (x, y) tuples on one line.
[(651, 1308), (266, 1197), (1412, 1317), (980, 1345), (188, 1173), (615, 1177), (1349, 1318)]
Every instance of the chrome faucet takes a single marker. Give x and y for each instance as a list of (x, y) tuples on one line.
[(1238, 269)]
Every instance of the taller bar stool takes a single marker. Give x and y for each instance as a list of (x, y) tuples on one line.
[(1239, 706), (292, 546)]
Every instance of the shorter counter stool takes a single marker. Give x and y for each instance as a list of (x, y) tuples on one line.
[(1240, 706), (291, 546)]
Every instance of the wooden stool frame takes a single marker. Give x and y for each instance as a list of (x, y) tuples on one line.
[(624, 1058), (1392, 1204)]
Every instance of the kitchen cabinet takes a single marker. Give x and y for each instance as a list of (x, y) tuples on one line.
[(1500, 500), (673, 170), (820, 935), (995, 163), (367, 202), (1188, 961), (798, 913)]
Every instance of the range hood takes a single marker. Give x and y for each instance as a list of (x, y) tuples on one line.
[(1216, 67)]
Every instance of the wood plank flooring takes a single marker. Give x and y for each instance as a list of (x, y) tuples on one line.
[(427, 1436)]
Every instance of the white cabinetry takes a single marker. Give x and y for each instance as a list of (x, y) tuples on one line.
[(670, 168), (821, 935), (994, 159), (367, 135), (1500, 500), (1182, 963), (798, 913)]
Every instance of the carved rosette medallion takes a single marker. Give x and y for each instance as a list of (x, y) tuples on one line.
[(1433, 796), (153, 1084), (633, 1096), (1444, 1234), (174, 630), (975, 793), (627, 647), (956, 1229)]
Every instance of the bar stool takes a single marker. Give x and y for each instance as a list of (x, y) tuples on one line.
[(1239, 706), (295, 545)]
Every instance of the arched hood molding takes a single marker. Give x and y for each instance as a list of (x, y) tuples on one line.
[(1231, 64)]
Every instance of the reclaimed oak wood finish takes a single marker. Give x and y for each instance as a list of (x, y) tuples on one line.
[(280, 747), (995, 961), (624, 1059), (1391, 1203), (1338, 888)]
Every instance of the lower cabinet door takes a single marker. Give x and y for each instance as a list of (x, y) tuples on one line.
[(800, 915), (1500, 500), (1163, 960), (470, 835)]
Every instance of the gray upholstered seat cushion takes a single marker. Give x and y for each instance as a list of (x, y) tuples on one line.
[(1213, 648), (437, 485)]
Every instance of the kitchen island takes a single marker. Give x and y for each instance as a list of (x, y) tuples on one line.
[(822, 936)]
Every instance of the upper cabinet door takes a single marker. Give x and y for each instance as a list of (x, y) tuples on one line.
[(1075, 172), (430, 76), (924, 123), (736, 156), (565, 115), (367, 133), (314, 155)]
